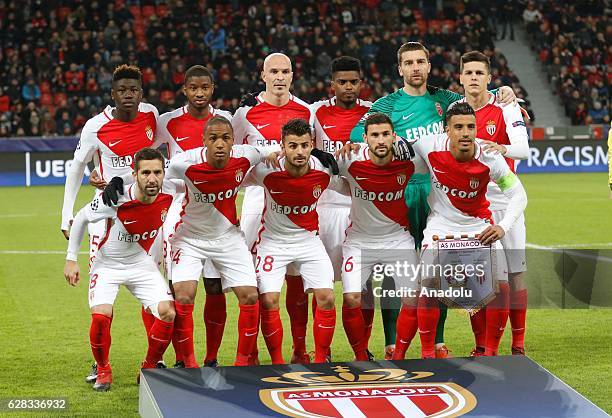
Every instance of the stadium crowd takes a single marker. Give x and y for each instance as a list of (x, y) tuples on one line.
[(573, 42), (56, 58)]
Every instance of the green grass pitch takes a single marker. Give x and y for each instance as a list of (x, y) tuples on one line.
[(44, 345)]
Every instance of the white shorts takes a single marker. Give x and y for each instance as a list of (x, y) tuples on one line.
[(514, 243), (364, 260), (437, 226), (228, 254), (309, 257), (96, 231), (172, 219), (333, 223), (143, 280)]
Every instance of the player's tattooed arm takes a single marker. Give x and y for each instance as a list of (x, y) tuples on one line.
[(402, 149)]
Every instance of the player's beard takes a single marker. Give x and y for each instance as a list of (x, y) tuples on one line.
[(414, 83), (382, 153), (151, 190)]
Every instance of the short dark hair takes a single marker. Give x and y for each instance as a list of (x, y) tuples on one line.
[(475, 56), (198, 71), (411, 46), (297, 127), (219, 120), (461, 108), (147, 154), (345, 63), (127, 71), (376, 119)]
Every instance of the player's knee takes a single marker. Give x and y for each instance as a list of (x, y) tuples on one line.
[(184, 299), (248, 295), (105, 309), (269, 301), (166, 311), (352, 300), (516, 281), (325, 299), (213, 286)]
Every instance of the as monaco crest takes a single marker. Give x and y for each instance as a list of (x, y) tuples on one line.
[(239, 175), (401, 179), (373, 393), (491, 127), (316, 191), (149, 132), (474, 183), (439, 109), (163, 215)]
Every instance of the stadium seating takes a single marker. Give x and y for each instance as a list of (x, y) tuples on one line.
[(307, 35)]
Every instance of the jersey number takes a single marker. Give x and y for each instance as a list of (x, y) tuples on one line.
[(267, 263), (348, 264)]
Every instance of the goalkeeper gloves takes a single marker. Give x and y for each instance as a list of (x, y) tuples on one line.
[(110, 195), (326, 159), (402, 149), (249, 99)]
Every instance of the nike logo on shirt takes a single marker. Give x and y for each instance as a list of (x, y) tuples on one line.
[(129, 222), (112, 144), (200, 181), (328, 126), (361, 178), (262, 126), (438, 171), (275, 192), (181, 138), (406, 117)]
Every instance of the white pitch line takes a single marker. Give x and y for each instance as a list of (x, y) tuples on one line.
[(577, 253), (594, 246), (36, 252)]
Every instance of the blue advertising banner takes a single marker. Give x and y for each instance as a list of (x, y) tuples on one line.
[(565, 156)]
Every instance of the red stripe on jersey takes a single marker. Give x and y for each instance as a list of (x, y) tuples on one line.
[(144, 220), (337, 124), (187, 131), (386, 185), (219, 186), (429, 404), (262, 228), (269, 119), (491, 126), (298, 194), (109, 224), (465, 183), (127, 138), (185, 203)]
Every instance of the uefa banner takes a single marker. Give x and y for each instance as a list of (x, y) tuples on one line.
[(573, 156)]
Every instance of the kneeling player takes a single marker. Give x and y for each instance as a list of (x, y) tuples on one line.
[(379, 232), (289, 234), (123, 257), (460, 173)]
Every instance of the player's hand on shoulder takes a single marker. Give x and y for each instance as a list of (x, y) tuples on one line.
[(347, 149), (505, 95), (402, 149), (272, 160), (110, 195), (493, 147), (71, 272), (491, 234), (249, 99), (326, 159), (96, 181)]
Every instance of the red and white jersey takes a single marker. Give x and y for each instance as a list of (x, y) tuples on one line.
[(332, 127), (132, 227), (378, 205), (181, 131), (261, 125), (503, 125), (458, 189), (290, 213), (209, 207), (112, 143)]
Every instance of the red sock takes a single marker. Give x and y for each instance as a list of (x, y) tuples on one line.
[(479, 326), (368, 319), (497, 316), (297, 308), (352, 320), (518, 315), (215, 315), (147, 319), (428, 314), (407, 325), (159, 339), (248, 327), (323, 330), (183, 333), (272, 330), (100, 339)]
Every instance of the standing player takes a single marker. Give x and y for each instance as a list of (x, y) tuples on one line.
[(379, 230), (123, 257), (505, 128), (417, 110), (333, 120), (111, 139), (460, 172), (182, 129), (208, 230), (289, 234), (261, 124)]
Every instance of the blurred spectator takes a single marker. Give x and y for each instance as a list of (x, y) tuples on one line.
[(30, 91)]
